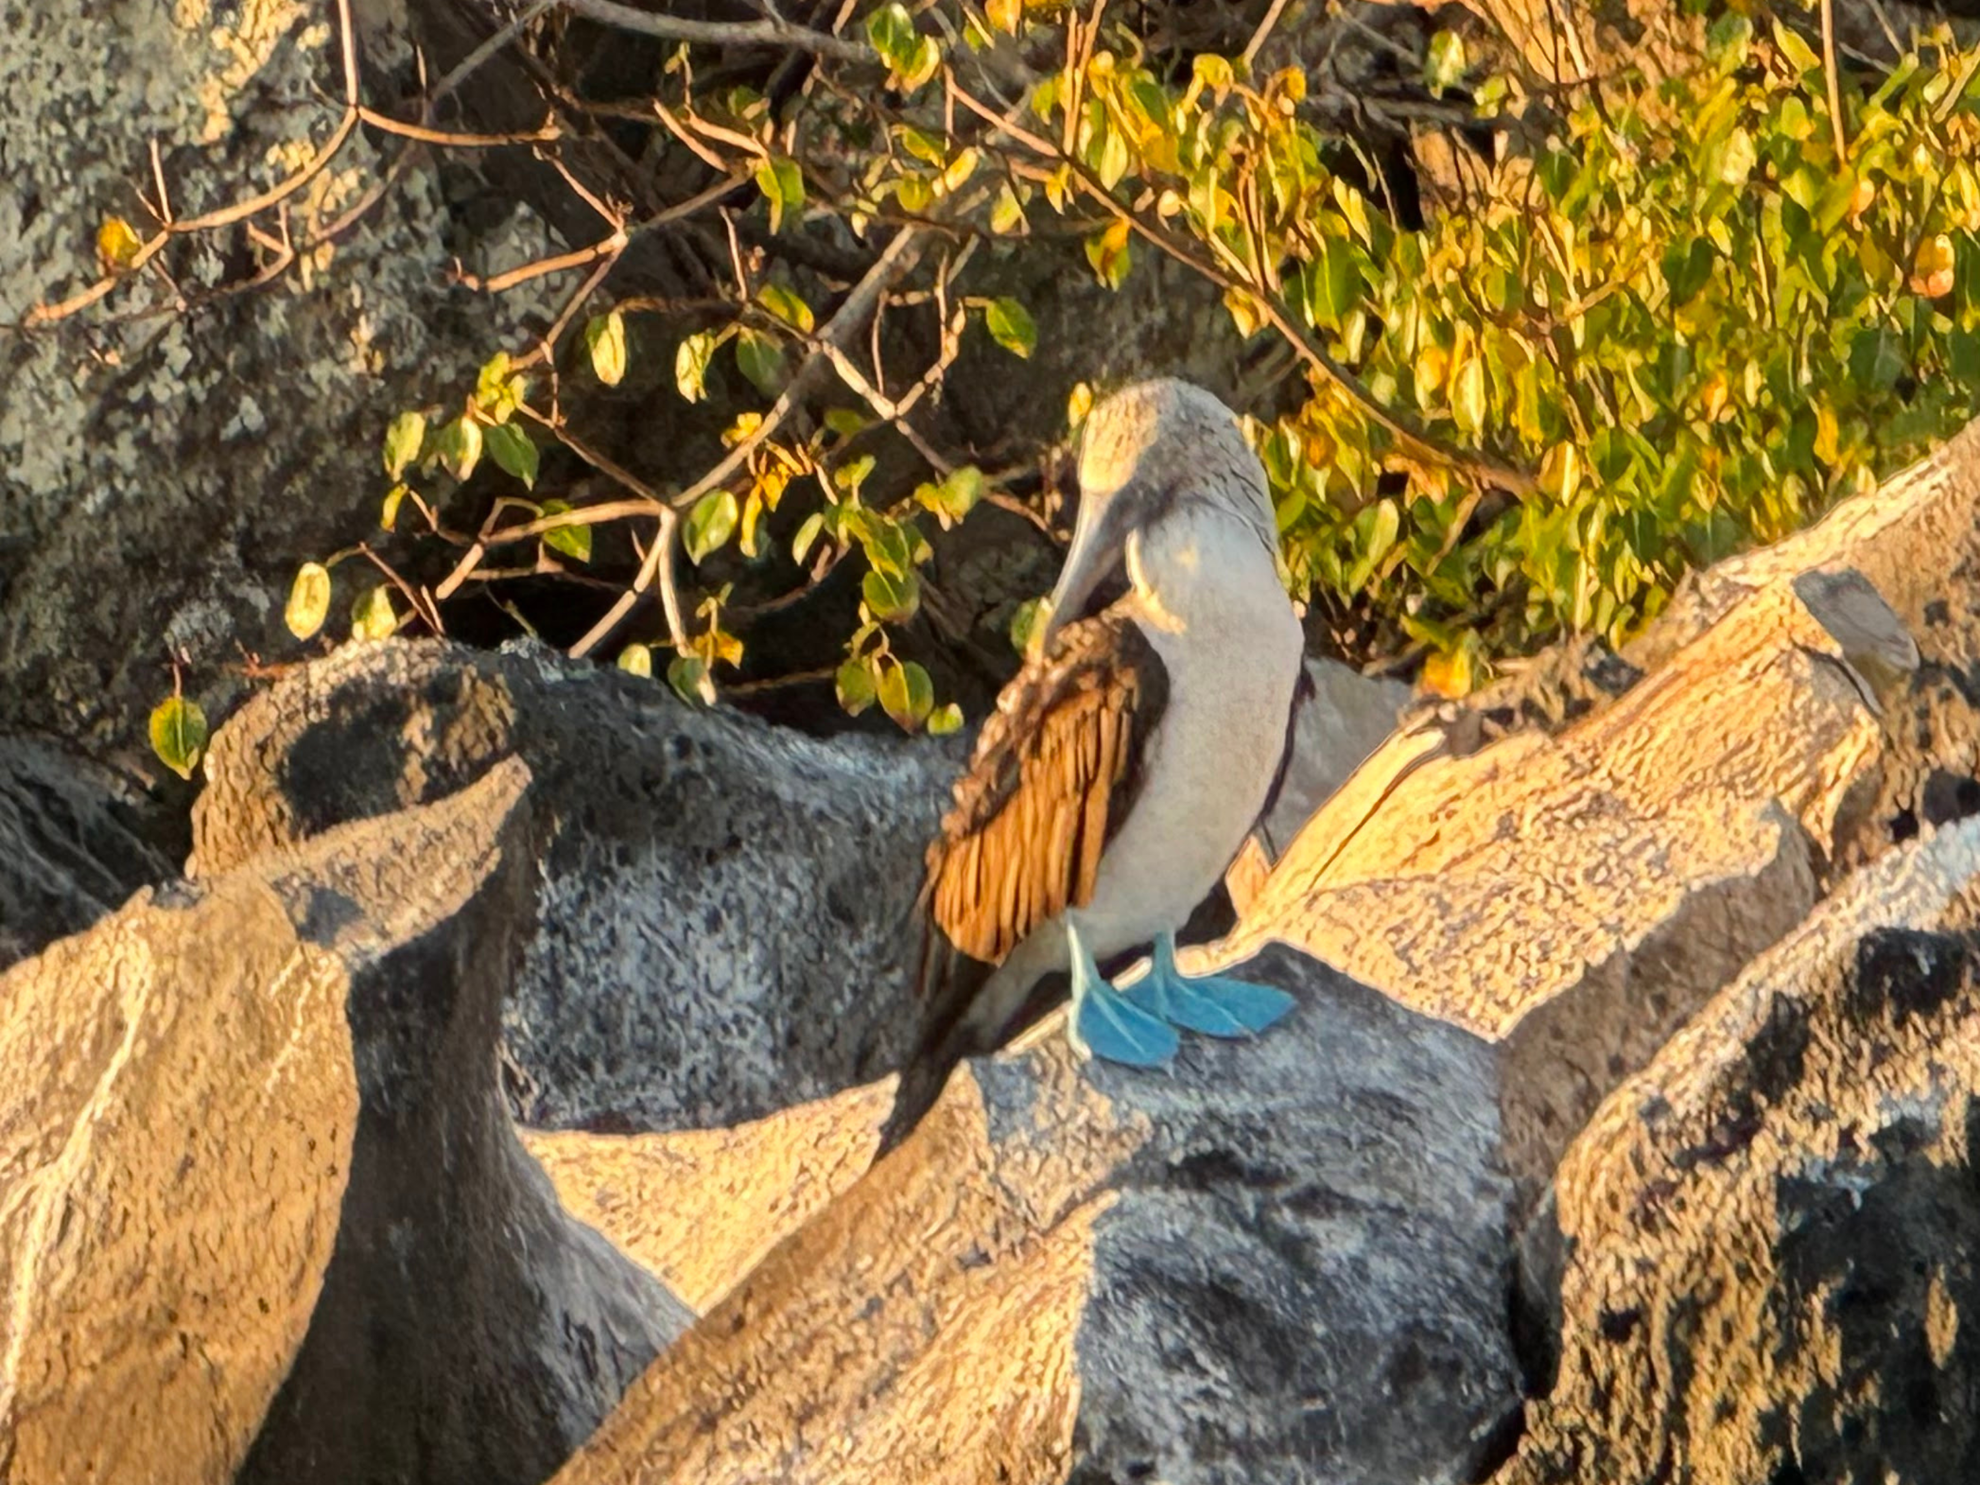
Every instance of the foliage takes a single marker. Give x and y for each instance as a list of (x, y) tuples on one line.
[(1669, 315)]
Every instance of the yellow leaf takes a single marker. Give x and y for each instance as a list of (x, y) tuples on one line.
[(118, 245), (309, 600)]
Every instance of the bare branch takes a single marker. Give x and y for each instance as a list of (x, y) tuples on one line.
[(721, 33)]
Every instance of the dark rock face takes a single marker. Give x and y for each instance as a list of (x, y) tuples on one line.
[(468, 1330), (1766, 1271), (1285, 1259), (726, 908), (76, 840), (1304, 1274)]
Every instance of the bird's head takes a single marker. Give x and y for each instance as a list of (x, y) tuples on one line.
[(1147, 453)]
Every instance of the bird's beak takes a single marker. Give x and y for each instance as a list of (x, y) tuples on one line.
[(1099, 545)]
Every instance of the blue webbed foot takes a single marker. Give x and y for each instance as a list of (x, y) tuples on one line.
[(1214, 1005), (1107, 1024)]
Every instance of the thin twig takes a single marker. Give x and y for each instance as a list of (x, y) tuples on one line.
[(1830, 79), (1264, 30), (721, 33), (1411, 441)]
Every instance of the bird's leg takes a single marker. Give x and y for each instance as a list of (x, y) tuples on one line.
[(1105, 1024), (1215, 1005)]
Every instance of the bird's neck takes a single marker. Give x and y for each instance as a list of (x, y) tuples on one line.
[(1201, 569)]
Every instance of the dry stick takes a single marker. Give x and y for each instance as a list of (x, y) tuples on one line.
[(1829, 77), (543, 134), (720, 33), (1264, 30), (1418, 445), (895, 259), (44, 314)]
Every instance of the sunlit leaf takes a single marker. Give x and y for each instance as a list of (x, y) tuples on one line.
[(388, 514), (178, 734), (572, 541), (786, 306), (372, 616), (512, 451), (1011, 326), (891, 596), (906, 693), (403, 441), (1443, 62), (1028, 624), (944, 720), (458, 447), (782, 184), (855, 686), (637, 660), (710, 524), (691, 364), (761, 359), (688, 675), (605, 339), (806, 535), (117, 245), (309, 600)]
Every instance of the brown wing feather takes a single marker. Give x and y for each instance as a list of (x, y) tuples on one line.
[(1054, 774)]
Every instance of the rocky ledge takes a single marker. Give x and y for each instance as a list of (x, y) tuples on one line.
[(492, 1097)]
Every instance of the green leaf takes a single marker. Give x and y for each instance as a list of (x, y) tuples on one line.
[(855, 686), (403, 441), (710, 524), (605, 338), (688, 675), (1333, 286), (955, 497), (691, 364), (512, 452), (458, 447), (1028, 623), (572, 541), (906, 694), (806, 535), (309, 600), (944, 720), (1687, 268), (1798, 52), (1737, 157), (178, 734), (850, 475), (890, 597), (782, 184), (761, 359), (1727, 42), (372, 616), (786, 306), (1443, 62), (496, 393), (1468, 395), (637, 660), (1012, 327), (1876, 358), (1110, 255)]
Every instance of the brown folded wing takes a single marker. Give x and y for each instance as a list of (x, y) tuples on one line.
[(1055, 772)]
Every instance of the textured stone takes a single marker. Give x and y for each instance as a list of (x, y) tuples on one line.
[(161, 476), (726, 908), (469, 1332), (1766, 1273), (76, 840), (1574, 897), (1285, 1260)]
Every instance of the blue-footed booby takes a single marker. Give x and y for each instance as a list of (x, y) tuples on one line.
[(1125, 764)]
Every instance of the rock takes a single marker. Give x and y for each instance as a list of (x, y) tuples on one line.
[(1349, 717), (1574, 897), (1287, 1260), (161, 476), (701, 1208), (1766, 1273), (76, 840), (263, 1213), (468, 1329), (726, 908)]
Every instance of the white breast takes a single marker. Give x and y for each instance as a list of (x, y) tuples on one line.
[(1209, 599)]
